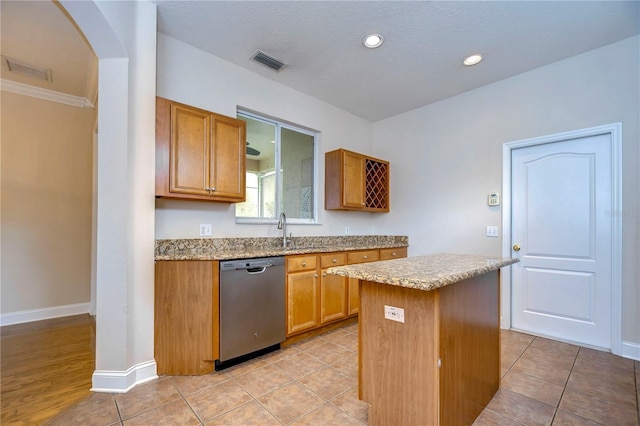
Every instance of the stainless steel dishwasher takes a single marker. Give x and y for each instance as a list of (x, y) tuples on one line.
[(252, 308)]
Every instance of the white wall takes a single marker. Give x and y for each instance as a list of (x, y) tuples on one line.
[(123, 36), (446, 157), (47, 153), (194, 77)]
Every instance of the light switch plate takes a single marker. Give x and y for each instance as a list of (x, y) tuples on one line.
[(394, 314), (492, 231)]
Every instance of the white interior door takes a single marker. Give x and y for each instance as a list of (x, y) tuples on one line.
[(562, 233)]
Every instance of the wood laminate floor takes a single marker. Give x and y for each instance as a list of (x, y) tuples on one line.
[(47, 368)]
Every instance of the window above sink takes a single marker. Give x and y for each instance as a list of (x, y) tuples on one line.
[(281, 170)]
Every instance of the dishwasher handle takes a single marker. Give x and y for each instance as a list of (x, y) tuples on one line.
[(257, 270)]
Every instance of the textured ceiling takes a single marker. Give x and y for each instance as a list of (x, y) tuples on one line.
[(425, 42), (419, 62)]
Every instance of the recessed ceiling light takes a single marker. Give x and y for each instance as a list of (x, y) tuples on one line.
[(372, 41), (472, 59)]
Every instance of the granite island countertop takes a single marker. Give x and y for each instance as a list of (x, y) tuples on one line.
[(427, 272), (245, 248)]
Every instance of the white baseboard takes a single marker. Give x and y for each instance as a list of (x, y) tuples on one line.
[(631, 350), (44, 313), (123, 381)]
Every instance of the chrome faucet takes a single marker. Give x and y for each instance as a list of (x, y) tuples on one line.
[(282, 224)]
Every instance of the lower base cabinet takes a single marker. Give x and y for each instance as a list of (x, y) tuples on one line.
[(186, 320), (333, 289), (302, 293), (186, 317), (361, 256), (315, 298)]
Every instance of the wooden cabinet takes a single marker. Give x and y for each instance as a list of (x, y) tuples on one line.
[(356, 182), (315, 298), (303, 311), (200, 155), (186, 317), (186, 320), (361, 256), (333, 289)]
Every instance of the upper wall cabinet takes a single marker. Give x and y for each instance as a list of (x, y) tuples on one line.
[(200, 155), (355, 182)]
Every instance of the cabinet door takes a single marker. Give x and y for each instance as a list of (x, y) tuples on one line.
[(361, 256), (227, 168), (186, 317), (189, 150), (354, 298), (302, 301), (333, 297), (353, 192)]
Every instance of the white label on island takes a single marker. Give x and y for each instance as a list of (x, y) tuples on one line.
[(394, 314)]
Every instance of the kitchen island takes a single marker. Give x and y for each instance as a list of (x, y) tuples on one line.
[(429, 337)]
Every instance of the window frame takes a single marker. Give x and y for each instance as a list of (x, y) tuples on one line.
[(280, 124)]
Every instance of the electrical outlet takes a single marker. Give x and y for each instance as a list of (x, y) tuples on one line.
[(394, 314), (347, 231), (205, 229), (492, 231)]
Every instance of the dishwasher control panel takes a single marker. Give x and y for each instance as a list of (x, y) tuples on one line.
[(231, 265)]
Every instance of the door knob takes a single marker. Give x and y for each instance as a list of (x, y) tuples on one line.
[(516, 247)]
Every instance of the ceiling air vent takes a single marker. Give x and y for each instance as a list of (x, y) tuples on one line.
[(28, 70), (268, 60)]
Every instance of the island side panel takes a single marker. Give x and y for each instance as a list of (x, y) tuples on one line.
[(470, 347), (398, 361)]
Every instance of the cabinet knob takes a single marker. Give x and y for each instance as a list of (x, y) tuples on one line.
[(304, 263), (364, 257), (393, 254), (324, 274), (212, 189), (316, 276), (334, 260)]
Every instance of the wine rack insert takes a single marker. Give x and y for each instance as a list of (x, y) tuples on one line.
[(376, 184)]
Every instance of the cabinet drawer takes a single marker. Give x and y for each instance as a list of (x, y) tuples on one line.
[(333, 259), (301, 263), (363, 256), (393, 253)]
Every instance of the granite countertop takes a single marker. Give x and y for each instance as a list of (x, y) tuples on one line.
[(424, 272), (245, 248)]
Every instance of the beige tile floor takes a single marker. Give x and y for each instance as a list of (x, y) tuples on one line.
[(315, 383)]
